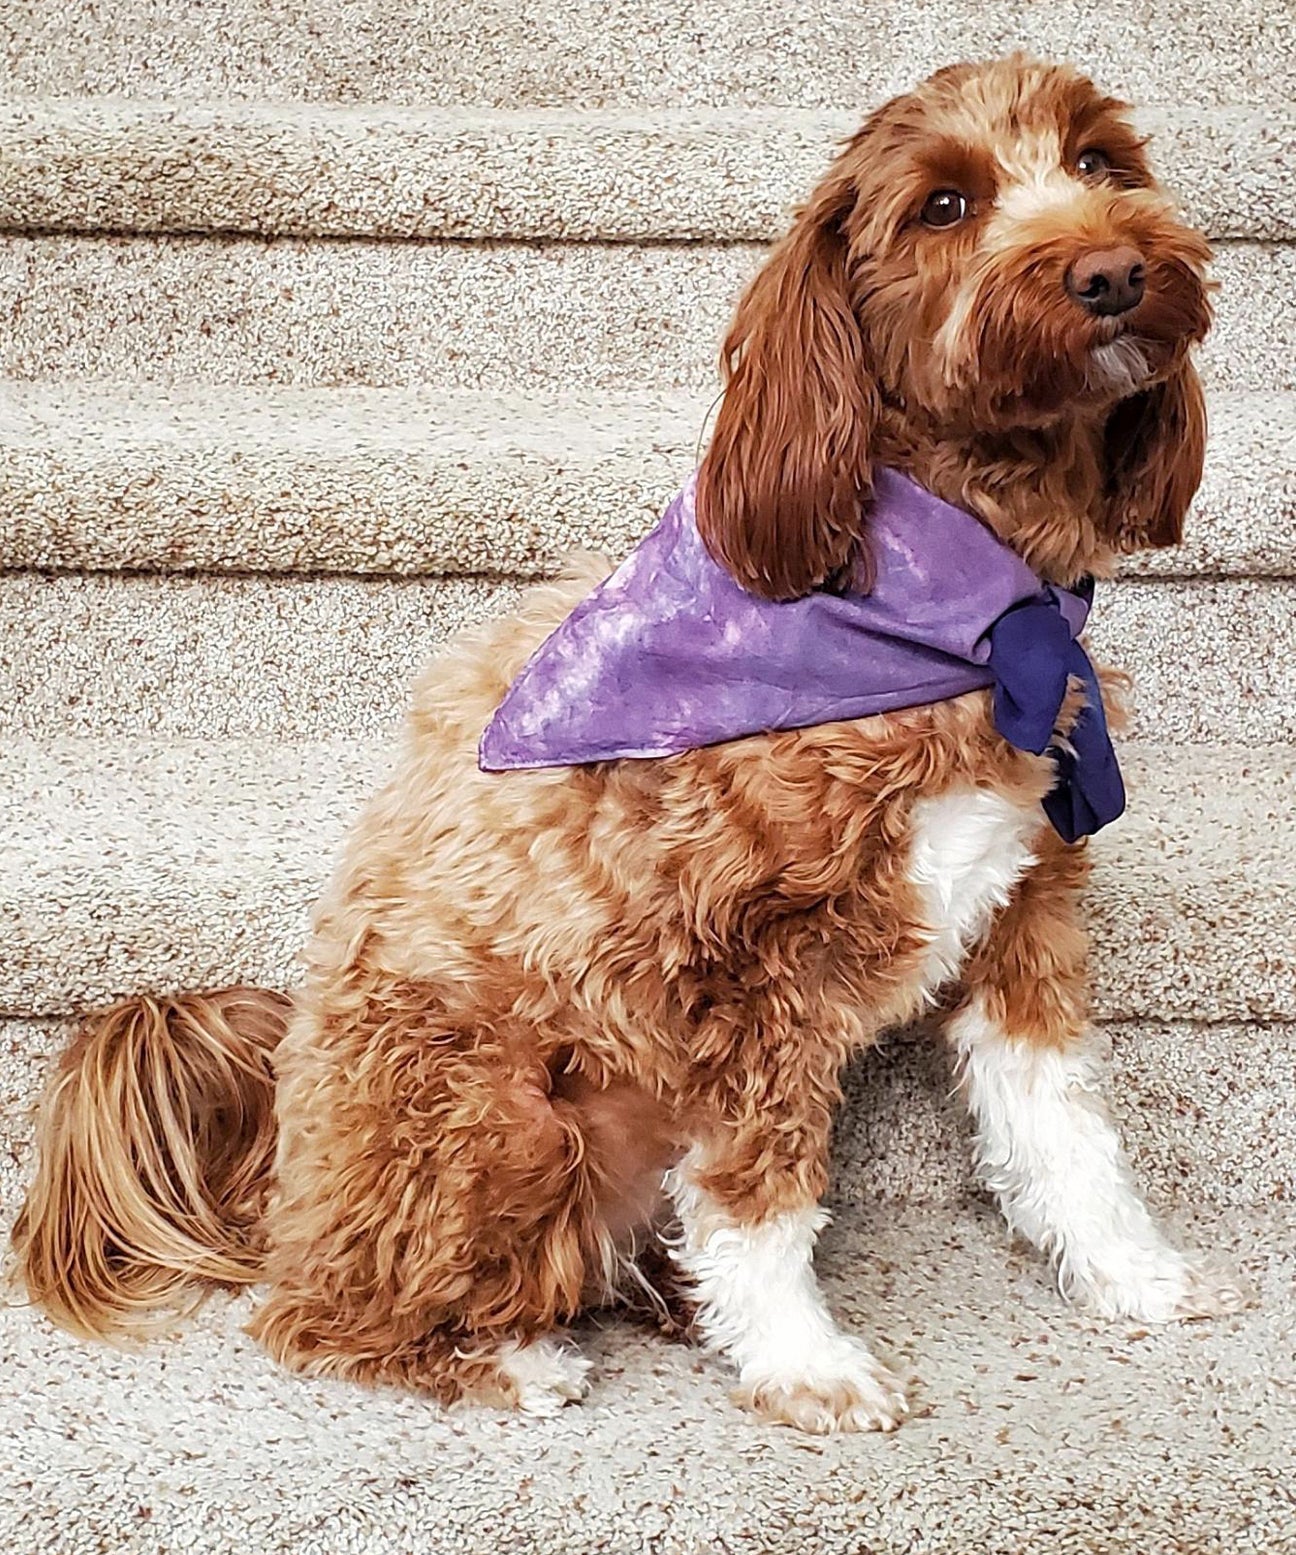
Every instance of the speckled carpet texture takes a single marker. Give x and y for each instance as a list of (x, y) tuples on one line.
[(326, 327)]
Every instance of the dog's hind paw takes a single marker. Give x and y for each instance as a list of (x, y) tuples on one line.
[(544, 1375)]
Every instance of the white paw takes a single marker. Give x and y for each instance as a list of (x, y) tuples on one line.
[(545, 1375), (842, 1388), (1158, 1285)]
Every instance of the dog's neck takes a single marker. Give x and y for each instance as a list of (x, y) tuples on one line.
[(1040, 489)]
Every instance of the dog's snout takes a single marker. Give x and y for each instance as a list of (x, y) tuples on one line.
[(1107, 281)]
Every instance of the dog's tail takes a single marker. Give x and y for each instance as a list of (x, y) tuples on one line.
[(156, 1144)]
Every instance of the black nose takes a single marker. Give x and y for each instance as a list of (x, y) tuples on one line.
[(1107, 281)]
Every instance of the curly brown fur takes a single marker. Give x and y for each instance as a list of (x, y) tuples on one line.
[(531, 993)]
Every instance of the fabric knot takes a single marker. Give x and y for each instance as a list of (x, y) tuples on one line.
[(1034, 653)]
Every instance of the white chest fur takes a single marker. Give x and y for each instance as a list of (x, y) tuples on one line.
[(970, 847)]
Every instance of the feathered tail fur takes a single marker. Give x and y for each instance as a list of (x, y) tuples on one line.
[(156, 1144)]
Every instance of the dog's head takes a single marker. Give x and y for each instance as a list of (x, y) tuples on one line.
[(989, 253)]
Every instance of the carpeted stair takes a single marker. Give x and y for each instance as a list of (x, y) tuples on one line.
[(327, 327)]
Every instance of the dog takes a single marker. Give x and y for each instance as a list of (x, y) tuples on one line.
[(551, 1017)]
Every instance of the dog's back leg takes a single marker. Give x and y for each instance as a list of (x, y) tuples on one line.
[(440, 1206)]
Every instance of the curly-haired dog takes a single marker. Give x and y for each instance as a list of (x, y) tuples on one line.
[(540, 1002)]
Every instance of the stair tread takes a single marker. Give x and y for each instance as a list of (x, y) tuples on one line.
[(276, 478), (629, 174), (172, 863), (1029, 1415)]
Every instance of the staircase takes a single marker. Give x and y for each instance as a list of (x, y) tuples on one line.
[(325, 329)]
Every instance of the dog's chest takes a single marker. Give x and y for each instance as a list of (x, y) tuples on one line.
[(970, 847)]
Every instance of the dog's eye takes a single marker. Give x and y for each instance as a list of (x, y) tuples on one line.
[(944, 208), (1093, 163)]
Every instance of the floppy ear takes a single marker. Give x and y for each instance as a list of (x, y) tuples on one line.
[(1155, 444), (783, 486)]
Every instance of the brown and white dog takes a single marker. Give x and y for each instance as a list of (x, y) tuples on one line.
[(542, 1005)]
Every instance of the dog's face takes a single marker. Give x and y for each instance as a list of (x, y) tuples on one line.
[(989, 253), (1012, 254)]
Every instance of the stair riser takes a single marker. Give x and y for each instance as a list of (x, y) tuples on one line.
[(375, 481), (105, 931), (217, 656), (170, 865), (482, 316), (104, 165), (1200, 1109), (366, 481), (594, 54)]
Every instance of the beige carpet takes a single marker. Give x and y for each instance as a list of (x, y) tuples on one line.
[(724, 175), (200, 655), (592, 318), (1036, 1430), (255, 478), (620, 53), (327, 326), (145, 863)]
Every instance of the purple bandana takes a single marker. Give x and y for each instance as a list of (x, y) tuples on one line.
[(670, 653)]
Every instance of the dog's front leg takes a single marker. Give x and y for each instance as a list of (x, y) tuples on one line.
[(759, 1304), (747, 1201), (1031, 1069)]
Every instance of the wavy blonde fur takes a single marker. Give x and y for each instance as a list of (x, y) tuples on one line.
[(156, 1143)]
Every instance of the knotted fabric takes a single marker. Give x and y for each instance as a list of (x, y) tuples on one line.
[(670, 653)]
